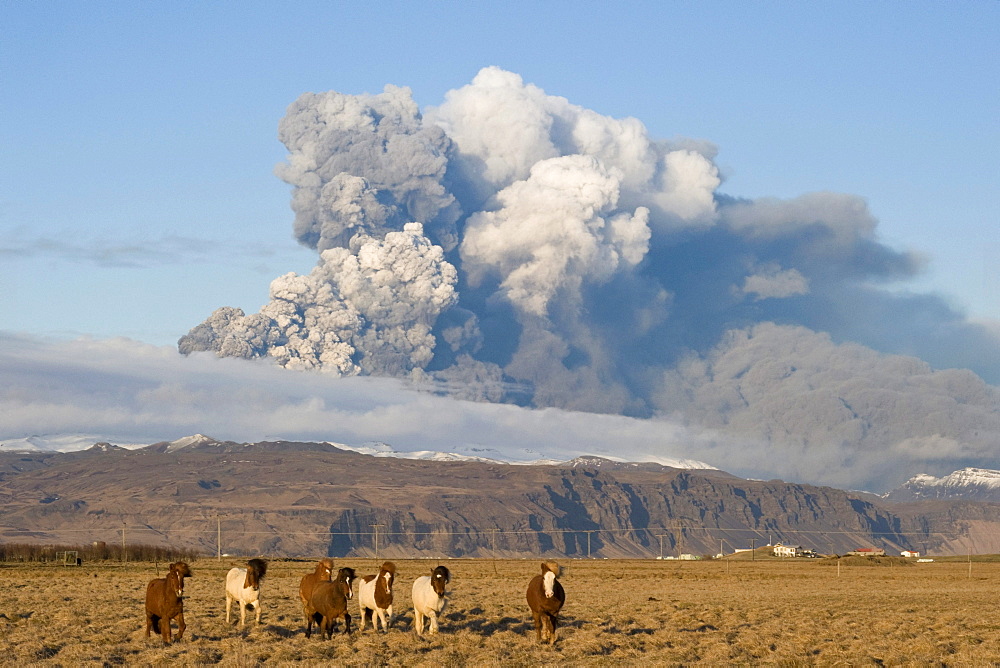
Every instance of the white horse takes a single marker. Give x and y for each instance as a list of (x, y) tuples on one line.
[(375, 597), (429, 598), (243, 586)]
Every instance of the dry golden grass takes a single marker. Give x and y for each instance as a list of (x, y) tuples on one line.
[(787, 613)]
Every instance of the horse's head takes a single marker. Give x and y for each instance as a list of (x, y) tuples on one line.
[(175, 577), (439, 578), (386, 575), (550, 571), (345, 577), (256, 570), (324, 569)]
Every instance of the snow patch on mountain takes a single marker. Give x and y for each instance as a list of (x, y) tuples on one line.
[(472, 453), (974, 484), (59, 443), (191, 441)]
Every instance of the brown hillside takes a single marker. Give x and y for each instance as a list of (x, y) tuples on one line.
[(309, 498)]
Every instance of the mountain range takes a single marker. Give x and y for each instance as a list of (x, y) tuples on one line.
[(304, 499)]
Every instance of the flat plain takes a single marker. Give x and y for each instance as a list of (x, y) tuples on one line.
[(718, 612)]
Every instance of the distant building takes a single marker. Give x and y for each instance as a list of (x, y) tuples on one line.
[(867, 552), (786, 550), (909, 553)]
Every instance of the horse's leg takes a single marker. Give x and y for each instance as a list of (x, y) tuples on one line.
[(229, 605), (347, 623), (555, 624), (434, 621), (388, 611), (537, 619), (243, 612), (550, 627), (256, 608), (165, 629), (180, 625), (418, 622)]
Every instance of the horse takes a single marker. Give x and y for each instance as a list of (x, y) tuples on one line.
[(328, 602), (165, 601), (545, 598), (375, 597), (243, 586), (323, 573), (429, 598)]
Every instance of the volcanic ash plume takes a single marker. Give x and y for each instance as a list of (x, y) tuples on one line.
[(511, 245), (367, 311)]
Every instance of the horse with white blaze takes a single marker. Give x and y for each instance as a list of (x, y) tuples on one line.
[(545, 598), (375, 597), (243, 586), (429, 598)]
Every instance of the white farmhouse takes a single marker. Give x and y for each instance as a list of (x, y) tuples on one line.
[(786, 550), (909, 553)]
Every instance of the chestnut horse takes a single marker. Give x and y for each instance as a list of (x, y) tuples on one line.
[(165, 601), (546, 598), (323, 573), (328, 602), (243, 586)]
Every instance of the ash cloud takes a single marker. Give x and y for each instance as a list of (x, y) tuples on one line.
[(510, 246)]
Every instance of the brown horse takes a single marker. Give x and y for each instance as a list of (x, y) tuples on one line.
[(323, 573), (546, 598), (329, 602), (165, 601)]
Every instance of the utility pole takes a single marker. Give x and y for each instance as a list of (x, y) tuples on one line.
[(753, 552), (588, 543), (679, 537), (660, 536), (376, 526), (493, 551), (124, 552), (218, 538)]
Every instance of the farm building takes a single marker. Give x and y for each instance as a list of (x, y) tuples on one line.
[(786, 550), (909, 553), (867, 552)]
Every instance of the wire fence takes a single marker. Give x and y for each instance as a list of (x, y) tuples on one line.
[(219, 537)]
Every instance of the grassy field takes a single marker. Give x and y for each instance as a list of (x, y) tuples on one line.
[(788, 613)]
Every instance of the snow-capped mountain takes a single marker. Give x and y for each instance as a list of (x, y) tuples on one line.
[(60, 443), (971, 484), (514, 455)]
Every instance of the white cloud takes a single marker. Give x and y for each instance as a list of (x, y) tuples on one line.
[(133, 393)]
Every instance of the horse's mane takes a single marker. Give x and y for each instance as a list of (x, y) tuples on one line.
[(258, 566), (181, 569)]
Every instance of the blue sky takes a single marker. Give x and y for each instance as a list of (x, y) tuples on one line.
[(136, 185), (138, 143)]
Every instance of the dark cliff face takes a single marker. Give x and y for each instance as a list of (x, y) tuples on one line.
[(307, 499)]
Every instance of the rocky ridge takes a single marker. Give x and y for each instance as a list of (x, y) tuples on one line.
[(305, 499)]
